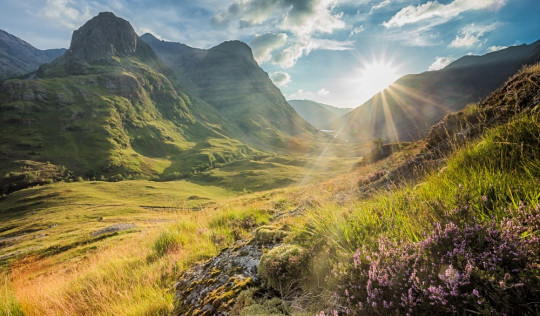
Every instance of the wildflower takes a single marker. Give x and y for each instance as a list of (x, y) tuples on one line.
[(484, 198)]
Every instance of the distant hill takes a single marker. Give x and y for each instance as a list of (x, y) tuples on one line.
[(229, 79), (106, 109), (17, 57), (409, 107), (317, 114)]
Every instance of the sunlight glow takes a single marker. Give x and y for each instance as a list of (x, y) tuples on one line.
[(377, 76)]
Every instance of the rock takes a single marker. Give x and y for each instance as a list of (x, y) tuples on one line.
[(114, 228), (210, 288)]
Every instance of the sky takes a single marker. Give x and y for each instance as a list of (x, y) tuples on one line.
[(338, 52)]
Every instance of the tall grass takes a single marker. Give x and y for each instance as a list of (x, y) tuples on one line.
[(9, 305)]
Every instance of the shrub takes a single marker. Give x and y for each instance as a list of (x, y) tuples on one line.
[(488, 268), (283, 267)]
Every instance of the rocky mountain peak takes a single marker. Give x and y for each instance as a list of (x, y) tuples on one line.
[(104, 36), (234, 48)]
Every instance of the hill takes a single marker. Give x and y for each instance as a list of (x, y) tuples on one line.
[(229, 79), (106, 109), (18, 58), (409, 107), (317, 114)]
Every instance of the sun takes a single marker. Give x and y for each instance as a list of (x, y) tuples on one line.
[(376, 76)]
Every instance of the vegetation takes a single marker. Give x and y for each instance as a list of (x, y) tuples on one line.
[(462, 236)]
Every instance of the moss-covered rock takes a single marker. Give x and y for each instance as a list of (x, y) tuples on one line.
[(283, 267), (266, 235)]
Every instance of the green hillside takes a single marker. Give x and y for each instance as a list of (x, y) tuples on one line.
[(229, 79), (95, 115)]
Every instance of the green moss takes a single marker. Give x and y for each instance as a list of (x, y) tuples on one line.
[(283, 267), (266, 235)]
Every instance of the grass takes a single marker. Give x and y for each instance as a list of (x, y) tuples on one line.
[(57, 265)]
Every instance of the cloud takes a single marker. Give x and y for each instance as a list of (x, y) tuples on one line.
[(302, 47), (323, 92), (441, 62), (470, 35), (381, 5), (65, 12), (438, 13), (495, 48), (356, 30), (264, 44), (280, 78), (302, 17), (296, 25)]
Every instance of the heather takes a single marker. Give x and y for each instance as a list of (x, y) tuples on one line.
[(489, 268)]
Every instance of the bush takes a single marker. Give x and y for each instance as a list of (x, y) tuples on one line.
[(481, 268), (283, 267), (168, 240)]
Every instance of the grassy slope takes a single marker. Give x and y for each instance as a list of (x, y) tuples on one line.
[(131, 118), (52, 226)]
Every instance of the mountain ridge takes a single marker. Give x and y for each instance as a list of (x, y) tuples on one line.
[(107, 111), (17, 57), (407, 109), (228, 78), (317, 114)]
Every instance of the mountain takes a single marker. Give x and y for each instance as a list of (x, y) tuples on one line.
[(229, 79), (317, 114), (17, 57), (107, 109), (407, 109)]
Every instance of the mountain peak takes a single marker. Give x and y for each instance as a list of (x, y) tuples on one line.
[(235, 48), (105, 36)]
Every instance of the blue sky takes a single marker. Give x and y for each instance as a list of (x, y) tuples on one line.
[(324, 50)]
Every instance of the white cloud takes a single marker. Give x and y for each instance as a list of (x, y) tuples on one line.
[(323, 92), (264, 44), (280, 78), (441, 62), (299, 21), (495, 48), (470, 35), (380, 5), (300, 17), (65, 12), (438, 13), (302, 47), (356, 30)]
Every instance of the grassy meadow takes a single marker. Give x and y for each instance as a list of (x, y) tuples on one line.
[(57, 257)]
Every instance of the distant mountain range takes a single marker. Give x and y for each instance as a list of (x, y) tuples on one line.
[(229, 79), (17, 57), (116, 106), (110, 108), (409, 107), (318, 114)]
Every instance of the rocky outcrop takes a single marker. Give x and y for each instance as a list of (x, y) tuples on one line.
[(98, 42), (106, 36), (210, 288)]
